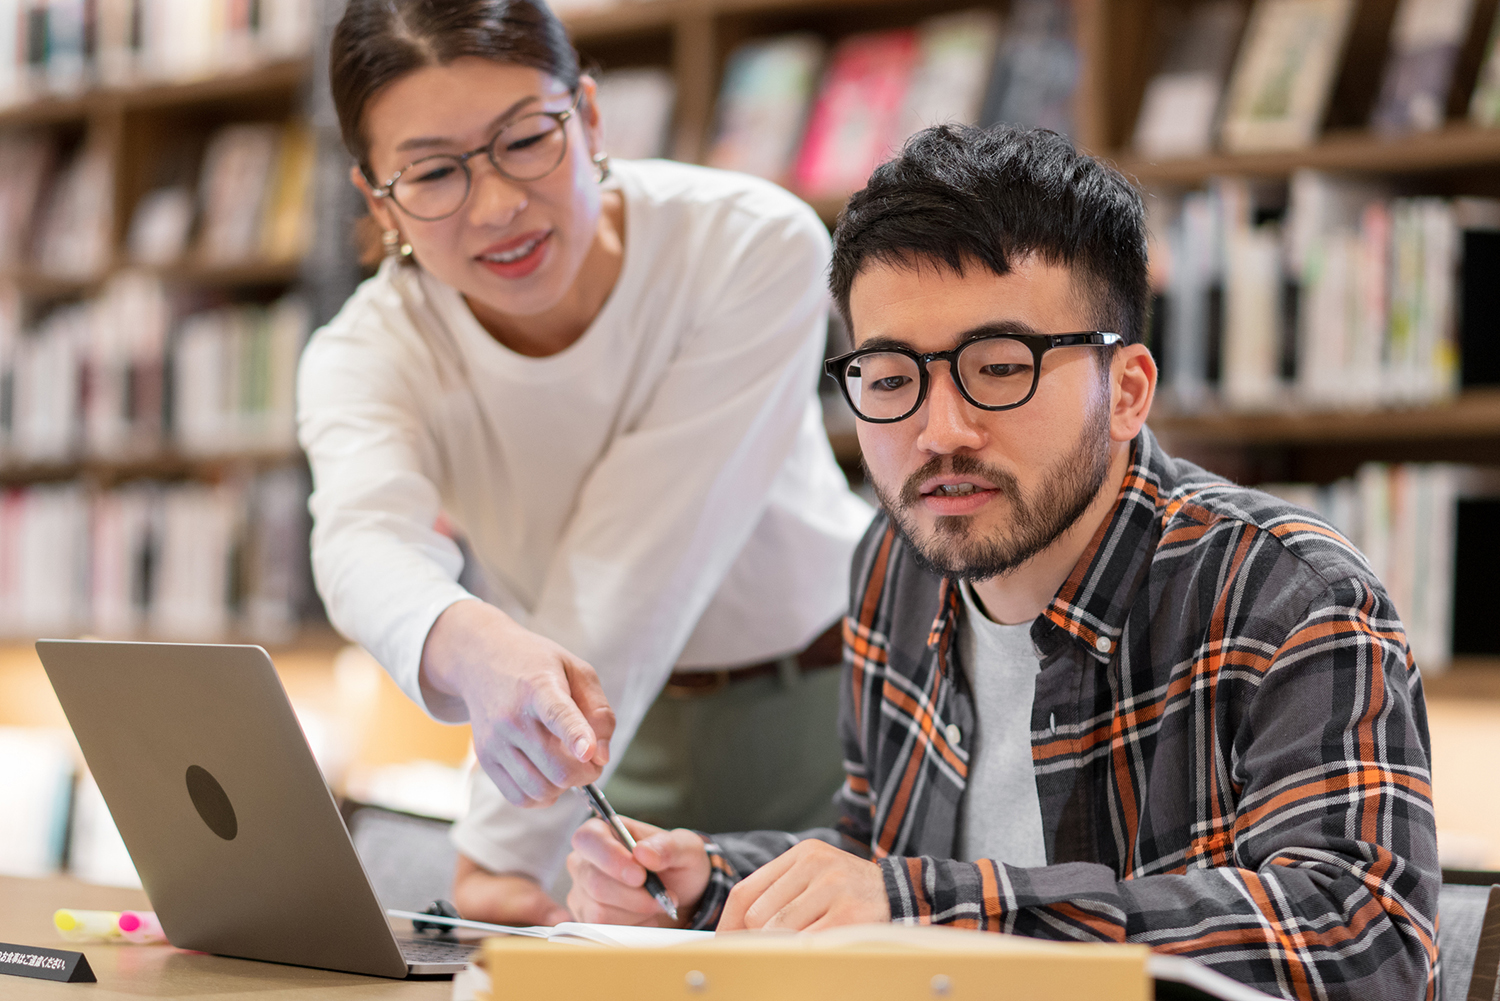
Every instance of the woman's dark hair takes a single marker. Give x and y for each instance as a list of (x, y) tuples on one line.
[(379, 41), (960, 196)]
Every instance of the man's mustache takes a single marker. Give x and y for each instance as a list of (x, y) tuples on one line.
[(957, 465)]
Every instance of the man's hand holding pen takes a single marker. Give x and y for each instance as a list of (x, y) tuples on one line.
[(609, 880)]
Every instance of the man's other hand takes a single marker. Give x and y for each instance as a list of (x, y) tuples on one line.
[(540, 721), (609, 881), (811, 887)]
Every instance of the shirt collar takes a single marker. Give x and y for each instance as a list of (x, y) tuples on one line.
[(1092, 604)]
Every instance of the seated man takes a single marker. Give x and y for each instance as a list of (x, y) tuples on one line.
[(1092, 692)]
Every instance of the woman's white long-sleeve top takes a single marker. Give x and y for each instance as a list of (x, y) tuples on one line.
[(660, 493)]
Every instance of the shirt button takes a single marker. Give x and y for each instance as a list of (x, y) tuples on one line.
[(953, 733), (1102, 644)]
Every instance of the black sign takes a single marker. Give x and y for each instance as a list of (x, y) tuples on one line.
[(45, 964)]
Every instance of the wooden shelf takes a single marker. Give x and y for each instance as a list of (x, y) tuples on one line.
[(40, 285), (629, 18), (162, 465), (1474, 414), (44, 286), (1454, 146), (234, 275), (285, 75)]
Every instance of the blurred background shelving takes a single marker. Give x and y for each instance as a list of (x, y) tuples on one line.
[(161, 317)]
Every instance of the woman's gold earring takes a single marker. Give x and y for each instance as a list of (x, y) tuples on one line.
[(390, 241), (601, 161)]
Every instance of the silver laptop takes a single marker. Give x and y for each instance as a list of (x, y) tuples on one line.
[(235, 835)]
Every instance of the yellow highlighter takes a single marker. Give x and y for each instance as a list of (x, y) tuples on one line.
[(87, 926)]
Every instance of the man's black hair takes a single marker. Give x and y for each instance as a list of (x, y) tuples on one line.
[(957, 195)]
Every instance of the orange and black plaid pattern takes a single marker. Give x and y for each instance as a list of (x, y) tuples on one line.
[(1229, 740)]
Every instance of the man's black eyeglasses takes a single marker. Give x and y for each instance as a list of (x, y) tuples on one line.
[(993, 372)]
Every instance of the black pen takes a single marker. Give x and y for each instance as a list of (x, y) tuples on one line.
[(607, 814)]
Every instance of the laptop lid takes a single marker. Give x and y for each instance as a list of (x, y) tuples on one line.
[(209, 778)]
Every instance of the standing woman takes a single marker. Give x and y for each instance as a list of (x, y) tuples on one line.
[(603, 375)]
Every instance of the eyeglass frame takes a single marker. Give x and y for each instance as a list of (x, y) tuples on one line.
[(561, 117), (1039, 344)]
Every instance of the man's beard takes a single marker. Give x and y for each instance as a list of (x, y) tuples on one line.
[(1032, 525)]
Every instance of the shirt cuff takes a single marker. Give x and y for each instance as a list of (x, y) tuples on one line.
[(721, 879)]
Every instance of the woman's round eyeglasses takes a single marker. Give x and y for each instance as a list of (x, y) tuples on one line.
[(527, 148), (993, 372)]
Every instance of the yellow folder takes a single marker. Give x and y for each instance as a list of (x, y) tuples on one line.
[(859, 963)]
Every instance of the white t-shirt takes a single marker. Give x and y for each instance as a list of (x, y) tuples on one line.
[(1001, 815), (661, 492)]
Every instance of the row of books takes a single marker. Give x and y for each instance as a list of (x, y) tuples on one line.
[(1342, 297), (64, 47), (247, 204), (1265, 83), (1404, 518), (174, 560), (125, 377), (819, 121)]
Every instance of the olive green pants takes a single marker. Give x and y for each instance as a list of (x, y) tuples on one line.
[(759, 754)]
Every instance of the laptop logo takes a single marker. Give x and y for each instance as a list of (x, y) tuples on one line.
[(212, 803)]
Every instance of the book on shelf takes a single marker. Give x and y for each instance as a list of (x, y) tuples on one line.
[(1036, 67), (62, 47), (1251, 371), (877, 90), (956, 57), (124, 368), (46, 387), (161, 225), (635, 107), (233, 188), (89, 379), (762, 106), (1404, 519), (1347, 297), (854, 121), (1484, 103), (27, 162), (234, 378), (1425, 42), (286, 220), (73, 229), (1188, 263), (1284, 74), (1181, 104), (170, 560)]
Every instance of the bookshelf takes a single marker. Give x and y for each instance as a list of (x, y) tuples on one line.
[(176, 473)]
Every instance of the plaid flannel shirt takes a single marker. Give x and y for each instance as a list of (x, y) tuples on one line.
[(1229, 739)]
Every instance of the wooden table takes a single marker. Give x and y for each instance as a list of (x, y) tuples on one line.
[(136, 971)]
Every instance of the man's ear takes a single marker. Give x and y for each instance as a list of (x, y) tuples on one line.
[(379, 208), (1132, 389)]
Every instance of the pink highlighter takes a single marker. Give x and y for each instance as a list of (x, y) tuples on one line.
[(140, 927)]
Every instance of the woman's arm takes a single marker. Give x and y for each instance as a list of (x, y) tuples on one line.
[(387, 575), (672, 502)]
